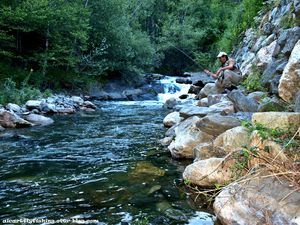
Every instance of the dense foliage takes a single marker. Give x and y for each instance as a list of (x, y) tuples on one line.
[(66, 44)]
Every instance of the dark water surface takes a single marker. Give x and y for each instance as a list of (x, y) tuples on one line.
[(105, 165)]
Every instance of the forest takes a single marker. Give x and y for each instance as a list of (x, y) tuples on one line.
[(48, 45)]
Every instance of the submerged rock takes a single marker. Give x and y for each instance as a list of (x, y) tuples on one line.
[(170, 103)]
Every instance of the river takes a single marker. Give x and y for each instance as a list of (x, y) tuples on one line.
[(104, 166)]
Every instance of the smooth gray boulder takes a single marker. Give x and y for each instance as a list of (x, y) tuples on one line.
[(241, 102), (39, 119), (187, 137), (190, 111), (217, 124)]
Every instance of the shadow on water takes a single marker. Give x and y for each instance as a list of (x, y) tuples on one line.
[(104, 165)]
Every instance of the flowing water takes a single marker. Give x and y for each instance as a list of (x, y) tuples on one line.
[(103, 166)]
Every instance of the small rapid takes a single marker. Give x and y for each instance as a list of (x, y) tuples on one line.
[(105, 166)]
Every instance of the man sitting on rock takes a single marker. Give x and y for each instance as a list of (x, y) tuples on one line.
[(228, 76)]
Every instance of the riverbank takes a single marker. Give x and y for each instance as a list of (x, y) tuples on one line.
[(245, 143)]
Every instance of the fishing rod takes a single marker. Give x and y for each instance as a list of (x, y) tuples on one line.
[(189, 57)]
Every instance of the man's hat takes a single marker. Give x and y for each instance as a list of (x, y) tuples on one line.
[(221, 54)]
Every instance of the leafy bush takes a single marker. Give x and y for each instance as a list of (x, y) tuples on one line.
[(253, 81), (10, 93)]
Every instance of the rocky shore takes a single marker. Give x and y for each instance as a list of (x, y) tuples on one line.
[(36, 112), (241, 140)]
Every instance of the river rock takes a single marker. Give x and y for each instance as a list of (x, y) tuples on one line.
[(166, 141), (190, 111), (203, 102), (78, 100), (258, 201), (289, 83), (206, 151), (11, 120), (266, 54), (194, 90), (89, 104), (283, 120), (33, 104), (172, 119), (188, 136), (116, 96), (208, 172), (241, 102), (217, 124), (216, 98), (65, 110), (224, 107), (132, 94), (231, 140), (208, 89), (183, 81), (48, 108), (13, 108), (39, 119), (170, 103)]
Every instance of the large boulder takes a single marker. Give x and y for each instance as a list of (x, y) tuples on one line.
[(266, 54), (259, 201), (289, 83), (231, 140), (39, 119), (224, 107), (33, 104), (287, 40), (217, 124), (208, 172), (216, 98), (283, 120), (208, 89), (241, 102), (188, 136), (172, 119), (190, 111), (13, 108), (11, 120)]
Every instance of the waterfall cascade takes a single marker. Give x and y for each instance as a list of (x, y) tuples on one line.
[(172, 89)]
